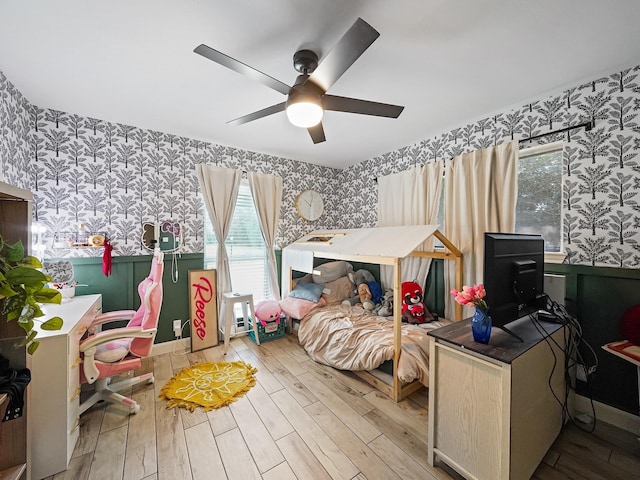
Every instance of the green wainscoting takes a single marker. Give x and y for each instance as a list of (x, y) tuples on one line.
[(598, 296), (120, 290)]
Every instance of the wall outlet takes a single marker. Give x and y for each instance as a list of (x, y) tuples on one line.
[(177, 328)]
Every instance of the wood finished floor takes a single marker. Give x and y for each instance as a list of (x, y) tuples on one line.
[(301, 421)]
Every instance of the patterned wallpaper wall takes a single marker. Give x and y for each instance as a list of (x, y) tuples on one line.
[(15, 115), (601, 194), (113, 177)]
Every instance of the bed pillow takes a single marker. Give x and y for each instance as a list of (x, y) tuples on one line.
[(331, 271), (338, 290), (297, 307), (307, 278), (307, 291)]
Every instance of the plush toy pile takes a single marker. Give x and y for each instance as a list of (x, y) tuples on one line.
[(385, 307), (367, 293)]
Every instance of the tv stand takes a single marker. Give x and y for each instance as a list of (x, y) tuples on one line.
[(506, 391)]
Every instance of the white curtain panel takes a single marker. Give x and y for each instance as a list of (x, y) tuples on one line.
[(266, 190), (410, 197), (220, 187), (481, 190)]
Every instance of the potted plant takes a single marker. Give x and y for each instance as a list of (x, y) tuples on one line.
[(22, 289)]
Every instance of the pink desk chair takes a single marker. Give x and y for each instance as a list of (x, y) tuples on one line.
[(111, 352)]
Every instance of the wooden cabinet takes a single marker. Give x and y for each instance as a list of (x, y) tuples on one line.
[(15, 219), (493, 411), (55, 385)]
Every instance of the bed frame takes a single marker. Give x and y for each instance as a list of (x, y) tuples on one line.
[(319, 245)]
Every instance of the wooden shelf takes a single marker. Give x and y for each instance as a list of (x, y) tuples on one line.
[(13, 473), (15, 219)]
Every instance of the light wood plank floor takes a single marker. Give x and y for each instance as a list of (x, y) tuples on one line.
[(301, 421)]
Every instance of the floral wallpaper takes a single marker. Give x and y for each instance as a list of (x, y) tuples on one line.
[(15, 115), (601, 193), (113, 177)]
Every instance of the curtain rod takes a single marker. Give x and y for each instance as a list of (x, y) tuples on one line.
[(588, 125)]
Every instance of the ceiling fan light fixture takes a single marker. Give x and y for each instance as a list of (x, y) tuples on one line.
[(304, 104), (304, 114)]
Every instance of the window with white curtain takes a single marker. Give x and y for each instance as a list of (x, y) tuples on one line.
[(539, 207), (245, 247)]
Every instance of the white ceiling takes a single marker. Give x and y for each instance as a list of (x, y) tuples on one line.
[(448, 62)]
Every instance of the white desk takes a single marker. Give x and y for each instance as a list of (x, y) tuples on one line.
[(54, 406)]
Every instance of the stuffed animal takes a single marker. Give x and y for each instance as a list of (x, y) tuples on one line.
[(385, 308), (362, 295), (268, 311), (413, 308), (376, 292)]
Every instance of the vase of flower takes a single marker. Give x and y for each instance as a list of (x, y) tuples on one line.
[(481, 325), (481, 321)]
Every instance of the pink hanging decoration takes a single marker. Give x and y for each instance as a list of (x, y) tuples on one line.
[(106, 258)]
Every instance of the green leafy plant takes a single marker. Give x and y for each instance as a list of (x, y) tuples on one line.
[(22, 289)]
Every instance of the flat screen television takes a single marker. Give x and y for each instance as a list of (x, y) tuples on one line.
[(513, 276)]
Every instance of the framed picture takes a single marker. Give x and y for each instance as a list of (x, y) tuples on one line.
[(203, 309)]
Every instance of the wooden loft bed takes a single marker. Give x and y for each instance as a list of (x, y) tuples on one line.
[(379, 245)]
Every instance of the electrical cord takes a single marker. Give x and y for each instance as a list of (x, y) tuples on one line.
[(573, 357), (184, 324)]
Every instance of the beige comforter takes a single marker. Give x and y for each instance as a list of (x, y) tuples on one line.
[(351, 338)]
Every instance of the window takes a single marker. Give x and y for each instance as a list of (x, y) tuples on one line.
[(539, 205), (245, 247)]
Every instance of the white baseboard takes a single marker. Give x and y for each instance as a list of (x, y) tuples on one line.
[(170, 347), (608, 414)]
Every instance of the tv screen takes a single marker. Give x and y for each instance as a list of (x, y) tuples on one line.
[(513, 275)]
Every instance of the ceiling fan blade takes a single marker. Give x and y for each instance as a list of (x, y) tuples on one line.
[(363, 107), (238, 66), (259, 114), (348, 49), (317, 133)]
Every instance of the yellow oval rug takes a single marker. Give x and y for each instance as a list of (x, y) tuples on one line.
[(209, 385)]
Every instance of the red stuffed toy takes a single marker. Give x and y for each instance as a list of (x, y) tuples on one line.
[(413, 308)]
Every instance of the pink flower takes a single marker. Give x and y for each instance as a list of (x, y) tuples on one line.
[(471, 296)]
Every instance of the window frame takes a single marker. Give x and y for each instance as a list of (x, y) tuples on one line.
[(549, 257), (559, 256), (209, 261)]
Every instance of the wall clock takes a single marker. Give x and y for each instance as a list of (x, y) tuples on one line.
[(309, 205)]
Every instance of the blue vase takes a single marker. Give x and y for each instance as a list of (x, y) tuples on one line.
[(481, 326)]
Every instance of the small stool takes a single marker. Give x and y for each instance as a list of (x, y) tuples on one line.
[(227, 312)]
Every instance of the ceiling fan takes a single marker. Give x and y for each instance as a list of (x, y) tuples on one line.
[(307, 98)]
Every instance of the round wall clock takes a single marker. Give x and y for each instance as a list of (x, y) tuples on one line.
[(309, 205)]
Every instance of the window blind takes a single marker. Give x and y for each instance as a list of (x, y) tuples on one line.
[(245, 248)]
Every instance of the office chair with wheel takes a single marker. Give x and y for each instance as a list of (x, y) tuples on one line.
[(118, 350)]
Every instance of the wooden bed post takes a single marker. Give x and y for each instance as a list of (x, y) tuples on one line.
[(397, 326)]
